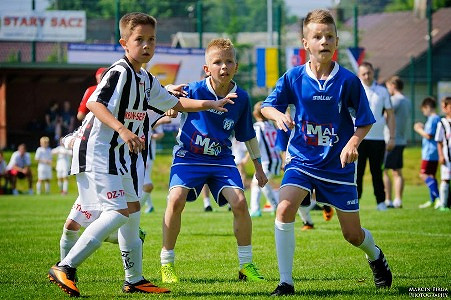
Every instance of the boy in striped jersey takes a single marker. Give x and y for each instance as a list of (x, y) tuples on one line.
[(266, 135), (443, 138), (107, 154)]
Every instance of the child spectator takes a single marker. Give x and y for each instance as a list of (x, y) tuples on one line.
[(44, 157), (19, 167), (62, 166)]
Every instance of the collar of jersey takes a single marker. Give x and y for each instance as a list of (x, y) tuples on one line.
[(331, 75), (210, 88)]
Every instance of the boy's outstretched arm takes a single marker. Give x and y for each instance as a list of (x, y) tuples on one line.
[(283, 121), (135, 144), (349, 153), (190, 105), (254, 152)]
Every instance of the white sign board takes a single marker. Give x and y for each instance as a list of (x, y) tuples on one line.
[(169, 65), (53, 25)]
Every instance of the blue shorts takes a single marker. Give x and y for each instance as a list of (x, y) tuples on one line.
[(193, 177), (341, 196)]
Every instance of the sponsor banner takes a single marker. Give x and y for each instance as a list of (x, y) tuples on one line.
[(267, 66), (169, 65), (50, 26)]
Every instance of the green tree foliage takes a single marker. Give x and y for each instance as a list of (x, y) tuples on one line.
[(400, 5)]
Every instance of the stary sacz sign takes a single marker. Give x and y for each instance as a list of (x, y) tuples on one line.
[(54, 25)]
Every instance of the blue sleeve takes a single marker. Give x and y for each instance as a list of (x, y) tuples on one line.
[(244, 128), (357, 99), (280, 97), (282, 139)]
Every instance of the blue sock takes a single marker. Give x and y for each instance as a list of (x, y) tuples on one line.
[(431, 182)]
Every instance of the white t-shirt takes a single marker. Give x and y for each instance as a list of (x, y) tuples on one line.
[(379, 100), (43, 154), (63, 158)]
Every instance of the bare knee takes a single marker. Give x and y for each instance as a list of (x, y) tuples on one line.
[(148, 188), (354, 237), (176, 202), (72, 225), (238, 204)]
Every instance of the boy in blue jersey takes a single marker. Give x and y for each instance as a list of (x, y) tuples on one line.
[(203, 155), (322, 150), (429, 152)]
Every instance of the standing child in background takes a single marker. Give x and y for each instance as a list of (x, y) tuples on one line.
[(443, 138), (203, 155), (44, 157), (62, 166), (266, 135), (107, 155), (322, 150), (429, 152)]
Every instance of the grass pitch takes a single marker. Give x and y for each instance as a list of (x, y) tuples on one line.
[(416, 243)]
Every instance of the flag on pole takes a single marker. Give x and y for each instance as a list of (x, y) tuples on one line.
[(267, 67), (356, 56), (296, 56)]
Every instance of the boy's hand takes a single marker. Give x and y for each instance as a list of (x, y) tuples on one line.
[(135, 144), (171, 113), (176, 89), (418, 126), (348, 155), (261, 177), (390, 144), (219, 105), (283, 121), (442, 160)]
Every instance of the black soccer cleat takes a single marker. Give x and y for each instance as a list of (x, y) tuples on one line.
[(208, 208), (283, 289), (381, 272)]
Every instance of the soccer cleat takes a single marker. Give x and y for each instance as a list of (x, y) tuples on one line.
[(268, 207), (438, 204), (168, 273), (143, 286), (255, 214), (142, 235), (64, 277), (381, 271), (397, 203), (389, 203), (328, 212), (425, 205), (283, 289), (381, 206), (307, 226), (249, 272), (208, 208), (149, 209), (443, 209)]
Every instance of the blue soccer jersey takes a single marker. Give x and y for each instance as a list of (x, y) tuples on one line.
[(429, 146), (204, 138), (324, 119)]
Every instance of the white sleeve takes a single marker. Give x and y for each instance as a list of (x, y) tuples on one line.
[(439, 133), (160, 98), (37, 156)]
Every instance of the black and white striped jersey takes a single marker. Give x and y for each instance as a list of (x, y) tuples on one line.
[(127, 95), (266, 135)]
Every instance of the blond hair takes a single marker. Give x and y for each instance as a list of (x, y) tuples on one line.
[(44, 139), (129, 21), (318, 16), (397, 82), (221, 44)]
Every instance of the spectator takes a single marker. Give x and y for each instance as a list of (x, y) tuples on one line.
[(53, 121), (44, 158), (82, 109), (19, 167), (373, 146), (62, 166), (429, 152), (67, 119), (394, 158)]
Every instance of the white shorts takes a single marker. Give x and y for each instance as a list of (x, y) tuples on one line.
[(44, 172), (99, 191), (83, 216), (444, 171), (62, 171), (148, 173)]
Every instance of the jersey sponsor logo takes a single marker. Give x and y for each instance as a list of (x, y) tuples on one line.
[(215, 111), (115, 194), (319, 134), (322, 98), (135, 115), (205, 145), (228, 124)]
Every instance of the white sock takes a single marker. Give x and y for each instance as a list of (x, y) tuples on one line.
[(284, 234), (131, 248), (304, 213), (143, 199), (207, 202), (244, 255), (269, 194), (60, 184), (38, 187), (444, 191), (368, 246), (67, 241), (92, 237), (65, 185), (112, 238), (255, 197), (167, 256), (47, 187)]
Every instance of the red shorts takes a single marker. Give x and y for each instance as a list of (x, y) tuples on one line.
[(429, 167), (14, 172)]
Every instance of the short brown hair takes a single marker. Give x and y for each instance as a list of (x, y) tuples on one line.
[(446, 100), (129, 21), (319, 16), (222, 44), (397, 82), (429, 102), (367, 64)]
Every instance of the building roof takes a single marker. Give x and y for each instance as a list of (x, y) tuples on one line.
[(391, 39)]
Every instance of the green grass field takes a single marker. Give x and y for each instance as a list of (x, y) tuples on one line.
[(416, 243)]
